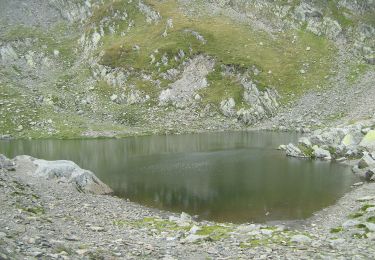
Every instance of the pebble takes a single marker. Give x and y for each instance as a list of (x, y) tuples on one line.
[(302, 239), (73, 238), (366, 198), (97, 229)]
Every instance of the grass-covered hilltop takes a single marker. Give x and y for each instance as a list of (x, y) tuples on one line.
[(117, 67)]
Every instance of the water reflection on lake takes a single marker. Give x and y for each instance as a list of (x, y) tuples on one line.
[(235, 176)]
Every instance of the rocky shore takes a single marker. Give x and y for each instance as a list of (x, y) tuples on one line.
[(353, 144), (56, 210)]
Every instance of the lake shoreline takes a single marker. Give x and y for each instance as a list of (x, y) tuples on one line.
[(50, 218)]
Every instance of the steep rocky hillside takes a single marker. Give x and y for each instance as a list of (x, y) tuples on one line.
[(121, 67)]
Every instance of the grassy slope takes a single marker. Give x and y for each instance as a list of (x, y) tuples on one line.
[(230, 43)]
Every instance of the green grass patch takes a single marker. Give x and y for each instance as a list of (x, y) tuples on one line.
[(371, 219), (222, 87), (215, 232), (230, 43), (340, 14), (356, 215), (336, 230), (366, 206), (308, 151)]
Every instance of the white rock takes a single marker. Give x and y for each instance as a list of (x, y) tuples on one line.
[(114, 97), (83, 180), (370, 226), (302, 239), (321, 153), (266, 232), (194, 229), (350, 223), (305, 141), (366, 198), (195, 238)]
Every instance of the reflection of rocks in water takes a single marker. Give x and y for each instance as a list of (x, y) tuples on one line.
[(223, 176)]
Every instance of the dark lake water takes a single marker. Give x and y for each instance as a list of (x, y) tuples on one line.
[(234, 176)]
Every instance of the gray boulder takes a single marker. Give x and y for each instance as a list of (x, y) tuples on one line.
[(304, 141), (300, 239), (294, 151), (366, 161), (321, 153), (370, 175), (84, 180), (227, 107), (6, 163)]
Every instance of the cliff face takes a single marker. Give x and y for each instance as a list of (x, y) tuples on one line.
[(113, 67)]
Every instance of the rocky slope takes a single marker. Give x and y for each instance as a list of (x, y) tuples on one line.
[(49, 218), (116, 68)]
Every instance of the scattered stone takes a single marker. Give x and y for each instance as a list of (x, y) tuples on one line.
[(350, 223), (370, 227), (366, 198), (113, 97), (195, 238), (357, 184), (73, 238), (97, 229), (300, 239)]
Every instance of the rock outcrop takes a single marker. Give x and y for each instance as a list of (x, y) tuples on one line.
[(182, 92), (346, 142), (68, 172)]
